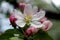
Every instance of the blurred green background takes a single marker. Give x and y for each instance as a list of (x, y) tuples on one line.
[(54, 32)]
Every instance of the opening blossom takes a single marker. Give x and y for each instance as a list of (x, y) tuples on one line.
[(30, 16), (47, 25)]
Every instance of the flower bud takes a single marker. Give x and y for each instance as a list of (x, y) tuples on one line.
[(12, 20), (21, 6), (43, 19), (48, 25), (31, 30)]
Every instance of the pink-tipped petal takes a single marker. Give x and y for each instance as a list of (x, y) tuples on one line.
[(31, 30), (34, 30), (28, 31), (43, 19), (28, 9)]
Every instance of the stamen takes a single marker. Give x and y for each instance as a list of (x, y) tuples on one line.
[(28, 19)]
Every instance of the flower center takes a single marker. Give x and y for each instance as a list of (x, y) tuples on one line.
[(28, 19)]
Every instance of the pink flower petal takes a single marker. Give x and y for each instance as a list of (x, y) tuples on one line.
[(12, 20), (43, 19), (22, 5), (28, 10), (48, 25), (31, 30)]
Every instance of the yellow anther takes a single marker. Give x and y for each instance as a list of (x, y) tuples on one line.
[(28, 18)]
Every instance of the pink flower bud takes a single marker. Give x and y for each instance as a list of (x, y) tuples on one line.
[(31, 30), (12, 20), (21, 5), (47, 25), (43, 19)]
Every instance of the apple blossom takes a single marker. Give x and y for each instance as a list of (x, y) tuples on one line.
[(21, 5), (47, 25), (12, 20), (43, 19), (30, 16), (31, 30)]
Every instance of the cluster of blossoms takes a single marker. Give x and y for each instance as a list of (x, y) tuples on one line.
[(31, 17)]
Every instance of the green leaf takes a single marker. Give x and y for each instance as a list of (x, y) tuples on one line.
[(15, 38), (10, 33), (42, 35)]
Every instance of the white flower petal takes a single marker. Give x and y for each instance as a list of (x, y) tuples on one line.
[(20, 23), (36, 24), (35, 9), (38, 15), (28, 9), (18, 15)]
